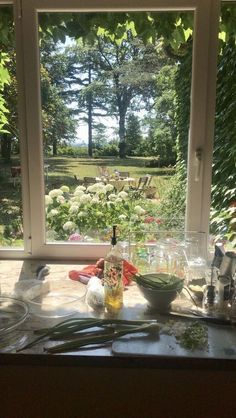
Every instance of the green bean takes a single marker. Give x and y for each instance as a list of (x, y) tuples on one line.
[(98, 339), (73, 326)]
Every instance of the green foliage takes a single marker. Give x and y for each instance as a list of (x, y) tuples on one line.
[(175, 27), (8, 94), (224, 155), (71, 151), (172, 205), (59, 124), (4, 79), (107, 150), (133, 135)]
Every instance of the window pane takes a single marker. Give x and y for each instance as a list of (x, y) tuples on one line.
[(223, 223), (11, 230), (115, 90)]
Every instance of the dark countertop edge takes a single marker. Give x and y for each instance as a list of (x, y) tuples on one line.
[(146, 362)]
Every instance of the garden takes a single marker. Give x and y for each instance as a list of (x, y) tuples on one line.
[(78, 213), (127, 78)]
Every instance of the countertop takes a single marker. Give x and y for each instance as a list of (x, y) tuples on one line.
[(130, 351)]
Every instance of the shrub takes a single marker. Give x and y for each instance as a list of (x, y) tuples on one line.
[(73, 151), (94, 210), (108, 150)]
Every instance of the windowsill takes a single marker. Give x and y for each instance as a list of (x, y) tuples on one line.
[(130, 357)]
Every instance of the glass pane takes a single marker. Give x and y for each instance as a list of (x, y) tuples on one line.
[(11, 229), (223, 220), (115, 91)]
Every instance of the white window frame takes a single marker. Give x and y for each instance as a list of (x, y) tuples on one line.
[(201, 131)]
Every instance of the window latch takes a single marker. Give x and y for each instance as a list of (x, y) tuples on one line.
[(198, 163)]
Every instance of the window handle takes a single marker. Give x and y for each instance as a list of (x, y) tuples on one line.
[(198, 163)]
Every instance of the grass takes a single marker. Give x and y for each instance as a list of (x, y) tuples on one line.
[(63, 169)]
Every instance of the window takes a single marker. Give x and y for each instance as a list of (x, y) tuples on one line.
[(33, 160)]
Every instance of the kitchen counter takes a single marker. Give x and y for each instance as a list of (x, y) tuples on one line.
[(164, 351), (161, 369)]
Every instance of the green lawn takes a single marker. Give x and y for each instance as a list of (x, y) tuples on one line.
[(63, 169)]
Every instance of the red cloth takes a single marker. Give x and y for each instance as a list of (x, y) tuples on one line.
[(93, 270)]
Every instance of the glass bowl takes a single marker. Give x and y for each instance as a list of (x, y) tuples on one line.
[(13, 313), (56, 298)]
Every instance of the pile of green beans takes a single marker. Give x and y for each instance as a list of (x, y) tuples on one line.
[(77, 333)]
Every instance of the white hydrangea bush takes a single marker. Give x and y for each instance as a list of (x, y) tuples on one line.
[(83, 212)]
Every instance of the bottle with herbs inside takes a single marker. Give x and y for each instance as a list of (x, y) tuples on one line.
[(113, 272)]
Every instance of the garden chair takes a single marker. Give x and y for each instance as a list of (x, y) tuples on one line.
[(79, 182), (123, 174), (143, 182), (104, 171), (145, 185), (88, 181)]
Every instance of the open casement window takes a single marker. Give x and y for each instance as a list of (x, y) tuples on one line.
[(32, 19)]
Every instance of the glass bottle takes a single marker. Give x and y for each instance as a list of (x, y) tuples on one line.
[(209, 300), (113, 272)]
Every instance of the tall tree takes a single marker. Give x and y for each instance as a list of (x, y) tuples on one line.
[(59, 124), (130, 68)]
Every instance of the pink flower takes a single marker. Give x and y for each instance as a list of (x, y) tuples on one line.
[(75, 237), (149, 219)]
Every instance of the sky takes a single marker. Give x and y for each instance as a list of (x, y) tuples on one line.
[(82, 130)]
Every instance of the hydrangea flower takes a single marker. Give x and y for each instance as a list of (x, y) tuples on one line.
[(139, 210), (83, 188), (52, 213), (74, 209), (123, 195), (122, 217), (48, 200), (99, 188), (65, 189), (78, 193), (95, 200), (61, 199), (134, 218), (55, 193), (109, 187), (92, 189), (85, 198), (69, 226), (112, 196)]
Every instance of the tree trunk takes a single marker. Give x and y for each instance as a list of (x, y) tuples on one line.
[(122, 145), (6, 147), (54, 147), (90, 117)]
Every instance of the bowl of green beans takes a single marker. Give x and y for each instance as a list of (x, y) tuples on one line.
[(159, 289)]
